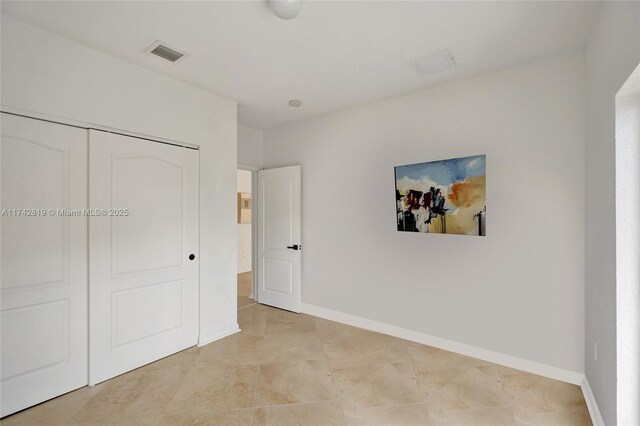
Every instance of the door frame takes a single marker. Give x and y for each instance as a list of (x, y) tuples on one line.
[(254, 228), (627, 302)]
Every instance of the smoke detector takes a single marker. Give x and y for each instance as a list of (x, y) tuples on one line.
[(434, 62), (163, 51)]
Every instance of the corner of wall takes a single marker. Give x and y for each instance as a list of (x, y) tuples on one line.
[(592, 404), (611, 54)]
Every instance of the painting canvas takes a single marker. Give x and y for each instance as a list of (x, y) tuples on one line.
[(442, 197)]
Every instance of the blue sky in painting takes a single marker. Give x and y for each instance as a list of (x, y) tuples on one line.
[(445, 172)]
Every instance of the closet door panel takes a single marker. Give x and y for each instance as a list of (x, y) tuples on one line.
[(143, 279), (43, 282)]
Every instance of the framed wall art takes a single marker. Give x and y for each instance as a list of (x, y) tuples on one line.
[(442, 197)]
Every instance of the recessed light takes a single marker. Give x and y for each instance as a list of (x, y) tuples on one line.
[(295, 103)]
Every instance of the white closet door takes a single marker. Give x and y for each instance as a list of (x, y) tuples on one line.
[(143, 266), (44, 262)]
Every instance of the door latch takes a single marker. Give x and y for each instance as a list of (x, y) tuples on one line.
[(295, 247)]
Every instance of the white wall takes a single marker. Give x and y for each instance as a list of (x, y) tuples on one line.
[(250, 146), (244, 229), (520, 289), (612, 53), (50, 75)]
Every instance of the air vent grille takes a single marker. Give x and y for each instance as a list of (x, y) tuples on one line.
[(165, 52), (435, 62)]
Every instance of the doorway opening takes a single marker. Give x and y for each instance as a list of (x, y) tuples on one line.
[(246, 229), (628, 249)]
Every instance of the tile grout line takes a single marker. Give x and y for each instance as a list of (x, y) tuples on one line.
[(255, 395), (333, 383), (415, 376), (344, 416), (247, 306), (298, 403)]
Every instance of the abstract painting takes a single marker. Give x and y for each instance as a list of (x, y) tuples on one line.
[(442, 197)]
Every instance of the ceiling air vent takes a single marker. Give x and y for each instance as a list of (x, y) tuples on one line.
[(434, 62), (160, 49)]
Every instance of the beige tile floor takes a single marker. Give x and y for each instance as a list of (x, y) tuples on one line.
[(244, 290), (288, 369)]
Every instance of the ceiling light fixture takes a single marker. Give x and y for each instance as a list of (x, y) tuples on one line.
[(286, 9), (295, 103)]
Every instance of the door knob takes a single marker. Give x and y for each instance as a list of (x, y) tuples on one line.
[(192, 256), (295, 247)]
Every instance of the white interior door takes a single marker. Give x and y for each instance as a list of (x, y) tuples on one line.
[(143, 265), (44, 261), (279, 237)]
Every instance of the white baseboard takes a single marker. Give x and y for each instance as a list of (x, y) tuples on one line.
[(449, 345), (592, 405), (224, 332)]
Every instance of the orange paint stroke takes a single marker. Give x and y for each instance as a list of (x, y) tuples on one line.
[(468, 192)]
